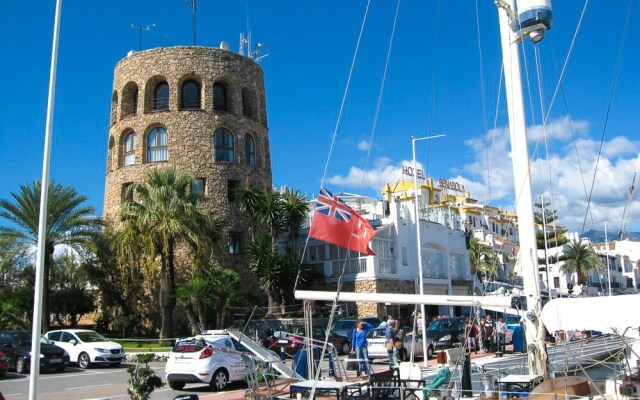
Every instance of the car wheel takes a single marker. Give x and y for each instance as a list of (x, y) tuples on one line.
[(176, 385), (430, 352), (84, 361), (21, 365), (346, 348), (220, 379)]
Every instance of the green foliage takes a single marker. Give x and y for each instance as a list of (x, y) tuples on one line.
[(555, 235), (581, 259), (165, 213), (143, 381), (69, 222), (272, 215), (482, 259)]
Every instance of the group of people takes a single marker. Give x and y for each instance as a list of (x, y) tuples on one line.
[(488, 337), (394, 339)]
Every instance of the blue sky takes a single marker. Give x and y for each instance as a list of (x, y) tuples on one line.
[(433, 86)]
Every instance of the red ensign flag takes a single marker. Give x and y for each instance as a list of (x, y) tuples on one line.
[(335, 222)]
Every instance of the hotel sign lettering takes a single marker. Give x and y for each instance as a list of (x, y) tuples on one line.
[(451, 185), (409, 171)]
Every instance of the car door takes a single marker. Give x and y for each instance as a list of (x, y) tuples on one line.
[(9, 348), (233, 361), (65, 343)]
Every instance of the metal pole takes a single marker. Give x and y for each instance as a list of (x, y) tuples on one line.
[(42, 224), (528, 258), (419, 243), (606, 244), (544, 231)]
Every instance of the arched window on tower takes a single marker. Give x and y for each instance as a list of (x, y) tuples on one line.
[(220, 97), (247, 103), (157, 145), (129, 99), (129, 148), (114, 107), (250, 149), (190, 99), (161, 96), (223, 145)]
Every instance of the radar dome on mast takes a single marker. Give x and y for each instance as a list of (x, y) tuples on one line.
[(533, 12)]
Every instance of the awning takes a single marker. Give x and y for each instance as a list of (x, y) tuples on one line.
[(601, 313)]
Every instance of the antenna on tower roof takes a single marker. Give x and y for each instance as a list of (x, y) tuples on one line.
[(194, 10), (140, 29)]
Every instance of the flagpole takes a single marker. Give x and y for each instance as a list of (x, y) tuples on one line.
[(414, 139), (44, 192)]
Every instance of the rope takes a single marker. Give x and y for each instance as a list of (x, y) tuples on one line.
[(611, 93)]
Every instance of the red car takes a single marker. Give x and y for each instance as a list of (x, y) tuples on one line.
[(4, 365)]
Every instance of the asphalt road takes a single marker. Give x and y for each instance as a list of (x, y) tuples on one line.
[(111, 383), (95, 383)]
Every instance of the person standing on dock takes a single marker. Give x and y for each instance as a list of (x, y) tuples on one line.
[(359, 342)]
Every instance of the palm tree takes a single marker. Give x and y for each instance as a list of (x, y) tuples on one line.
[(481, 258), (69, 223), (270, 215), (165, 209), (579, 258)]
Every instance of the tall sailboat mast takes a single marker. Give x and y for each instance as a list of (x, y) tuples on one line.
[(530, 20)]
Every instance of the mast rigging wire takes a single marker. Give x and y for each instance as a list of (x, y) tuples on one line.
[(606, 120)]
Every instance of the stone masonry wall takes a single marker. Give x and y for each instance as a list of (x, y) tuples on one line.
[(190, 132)]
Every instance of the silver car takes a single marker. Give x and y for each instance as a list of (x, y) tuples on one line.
[(377, 344)]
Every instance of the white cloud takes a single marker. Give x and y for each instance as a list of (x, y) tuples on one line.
[(571, 176), (383, 172), (363, 145)]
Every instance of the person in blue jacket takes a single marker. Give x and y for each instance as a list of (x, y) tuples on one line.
[(359, 343)]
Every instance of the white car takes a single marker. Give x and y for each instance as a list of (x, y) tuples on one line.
[(213, 358), (377, 341), (87, 347)]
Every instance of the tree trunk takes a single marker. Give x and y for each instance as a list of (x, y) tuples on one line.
[(202, 316), (167, 300), (196, 328)]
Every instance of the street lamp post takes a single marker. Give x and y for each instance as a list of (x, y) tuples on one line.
[(419, 241)]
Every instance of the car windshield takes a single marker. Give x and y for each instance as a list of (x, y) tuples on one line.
[(343, 325), (513, 319), (90, 337), (22, 338)]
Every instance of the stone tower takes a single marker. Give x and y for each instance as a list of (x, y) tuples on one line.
[(199, 109)]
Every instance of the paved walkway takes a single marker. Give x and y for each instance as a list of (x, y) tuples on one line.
[(432, 368)]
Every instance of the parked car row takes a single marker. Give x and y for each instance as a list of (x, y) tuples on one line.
[(57, 350), (377, 344)]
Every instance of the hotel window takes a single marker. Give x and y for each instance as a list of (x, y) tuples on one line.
[(129, 149), (161, 97), (198, 186), (249, 149), (190, 96), (223, 145), (232, 187), (219, 97), (157, 145), (234, 243)]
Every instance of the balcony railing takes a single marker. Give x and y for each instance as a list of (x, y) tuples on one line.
[(386, 266), (352, 267)]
